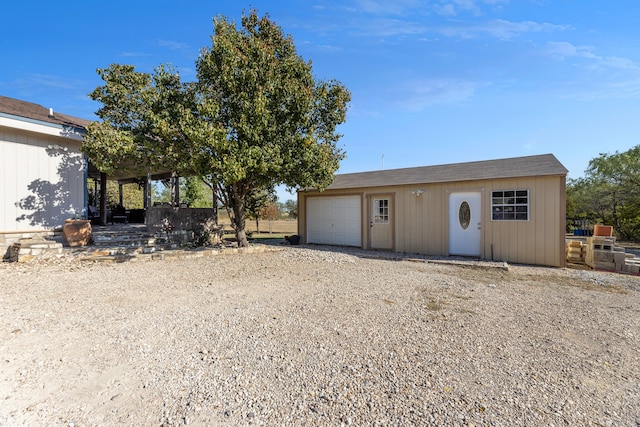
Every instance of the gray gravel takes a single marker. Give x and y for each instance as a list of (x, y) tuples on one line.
[(317, 336)]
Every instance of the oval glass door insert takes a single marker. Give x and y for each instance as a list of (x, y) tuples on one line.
[(464, 215)]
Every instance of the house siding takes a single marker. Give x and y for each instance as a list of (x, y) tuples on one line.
[(421, 222), (41, 186)]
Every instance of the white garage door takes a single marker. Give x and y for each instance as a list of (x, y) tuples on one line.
[(334, 220)]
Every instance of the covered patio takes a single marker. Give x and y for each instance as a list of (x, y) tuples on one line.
[(156, 216)]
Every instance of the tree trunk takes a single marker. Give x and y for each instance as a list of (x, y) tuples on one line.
[(257, 225), (239, 220), (214, 198)]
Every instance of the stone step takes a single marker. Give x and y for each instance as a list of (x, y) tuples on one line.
[(27, 249), (168, 254), (109, 249), (124, 241), (115, 251)]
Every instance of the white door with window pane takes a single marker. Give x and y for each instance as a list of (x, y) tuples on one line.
[(465, 223), (381, 222)]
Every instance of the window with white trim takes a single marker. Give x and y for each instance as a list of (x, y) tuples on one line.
[(510, 205), (381, 211)]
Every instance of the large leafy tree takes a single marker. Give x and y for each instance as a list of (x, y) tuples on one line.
[(617, 181), (610, 192), (140, 115), (255, 118), (279, 123)]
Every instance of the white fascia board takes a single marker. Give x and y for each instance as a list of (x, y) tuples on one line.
[(38, 126)]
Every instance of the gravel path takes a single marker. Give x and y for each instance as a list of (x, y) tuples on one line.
[(314, 336)]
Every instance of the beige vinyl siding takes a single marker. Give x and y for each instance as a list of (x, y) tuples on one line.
[(422, 221), (416, 216), (540, 240)]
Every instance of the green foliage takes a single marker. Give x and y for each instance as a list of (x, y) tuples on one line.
[(291, 208), (161, 192), (288, 209), (254, 119), (257, 201), (140, 114), (196, 193), (132, 195), (610, 193), (278, 124), (193, 191)]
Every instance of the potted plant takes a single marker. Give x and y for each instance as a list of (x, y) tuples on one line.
[(76, 231)]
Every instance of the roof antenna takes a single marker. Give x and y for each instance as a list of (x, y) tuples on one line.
[(383, 162)]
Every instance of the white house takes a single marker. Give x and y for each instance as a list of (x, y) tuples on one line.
[(42, 170)]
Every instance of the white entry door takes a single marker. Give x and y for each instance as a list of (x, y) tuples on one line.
[(465, 223), (381, 222)]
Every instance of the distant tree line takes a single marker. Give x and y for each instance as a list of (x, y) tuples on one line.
[(132, 195), (609, 193), (261, 204)]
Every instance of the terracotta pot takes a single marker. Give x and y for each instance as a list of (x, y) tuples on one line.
[(603, 230), (77, 232)]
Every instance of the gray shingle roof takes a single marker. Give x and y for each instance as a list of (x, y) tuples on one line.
[(517, 167), (32, 111)]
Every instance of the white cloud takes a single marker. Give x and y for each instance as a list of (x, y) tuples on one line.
[(393, 27), (405, 7), (133, 54), (172, 45), (499, 28), (445, 9), (617, 89), (625, 89), (384, 7), (604, 77), (329, 48), (507, 29), (416, 17), (45, 80), (563, 50), (456, 7), (417, 95)]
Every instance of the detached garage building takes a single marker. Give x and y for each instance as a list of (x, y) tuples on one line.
[(508, 209)]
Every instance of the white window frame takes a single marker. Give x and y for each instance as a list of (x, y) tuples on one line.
[(510, 205), (381, 211)]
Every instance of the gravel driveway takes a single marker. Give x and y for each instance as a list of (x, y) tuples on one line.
[(317, 336)]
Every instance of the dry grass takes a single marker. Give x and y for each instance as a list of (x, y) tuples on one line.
[(434, 305), (279, 226)]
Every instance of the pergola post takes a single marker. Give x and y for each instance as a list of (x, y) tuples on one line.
[(96, 196), (175, 189), (120, 195), (103, 198), (147, 191)]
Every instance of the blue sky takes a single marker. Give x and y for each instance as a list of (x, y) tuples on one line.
[(432, 82)]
